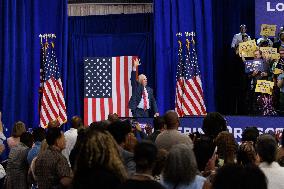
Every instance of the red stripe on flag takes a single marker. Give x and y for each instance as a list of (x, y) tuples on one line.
[(193, 92), (192, 102), (118, 86), (86, 112), (126, 86), (94, 109), (110, 105), (102, 103), (48, 100)]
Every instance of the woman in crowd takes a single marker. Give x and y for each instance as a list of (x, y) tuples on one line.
[(246, 154), (181, 169), (18, 129), (98, 164)]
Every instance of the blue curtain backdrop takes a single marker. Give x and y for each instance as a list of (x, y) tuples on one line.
[(21, 23), (171, 17), (106, 36)]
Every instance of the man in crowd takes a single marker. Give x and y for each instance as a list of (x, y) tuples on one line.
[(171, 135), (39, 136), (142, 102), (159, 126), (238, 38)]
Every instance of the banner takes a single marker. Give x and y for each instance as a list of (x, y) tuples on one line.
[(268, 12), (236, 124), (268, 30), (246, 49), (263, 86)]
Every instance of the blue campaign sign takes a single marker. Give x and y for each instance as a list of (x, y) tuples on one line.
[(236, 124), (268, 12)]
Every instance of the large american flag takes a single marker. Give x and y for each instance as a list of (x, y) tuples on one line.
[(107, 87), (189, 95), (52, 105)]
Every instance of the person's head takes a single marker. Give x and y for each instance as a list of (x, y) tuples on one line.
[(281, 36), (227, 146), (160, 162), (235, 176), (76, 122), (159, 123), (113, 117), (171, 120), (142, 79), (55, 137), (27, 139), (282, 139), (180, 166), (53, 123), (99, 150), (263, 43), (43, 146), (281, 52), (266, 148), (246, 154), (203, 149), (245, 37), (18, 129), (257, 54), (38, 134), (213, 124), (120, 130), (243, 28), (145, 154), (250, 134)]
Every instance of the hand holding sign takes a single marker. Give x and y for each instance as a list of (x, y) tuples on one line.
[(247, 48)]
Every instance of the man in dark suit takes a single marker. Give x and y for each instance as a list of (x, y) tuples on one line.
[(142, 101)]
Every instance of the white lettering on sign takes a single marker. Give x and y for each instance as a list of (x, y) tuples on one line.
[(279, 7)]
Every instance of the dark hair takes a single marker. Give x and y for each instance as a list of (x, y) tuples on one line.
[(235, 176), (76, 122), (266, 147), (246, 154), (159, 123), (213, 124), (160, 162), (203, 149), (145, 154), (18, 129), (250, 134), (38, 134), (282, 140), (52, 135), (119, 130), (27, 139), (244, 35)]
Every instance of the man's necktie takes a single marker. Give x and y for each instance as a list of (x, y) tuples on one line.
[(144, 100)]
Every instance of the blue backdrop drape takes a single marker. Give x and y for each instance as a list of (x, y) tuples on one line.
[(106, 36), (21, 23), (176, 16)]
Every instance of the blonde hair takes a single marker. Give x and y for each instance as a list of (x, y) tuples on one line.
[(140, 77), (100, 149)]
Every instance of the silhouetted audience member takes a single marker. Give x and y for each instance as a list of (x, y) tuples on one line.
[(53, 123), (76, 150), (246, 154), (17, 165), (99, 164), (233, 176), (160, 164), (38, 136), (213, 124), (121, 132), (227, 147), (181, 169), (112, 117), (159, 126), (51, 167), (280, 152), (18, 129), (171, 136), (250, 134), (266, 148)]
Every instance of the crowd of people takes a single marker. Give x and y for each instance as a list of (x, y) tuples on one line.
[(259, 103), (118, 154)]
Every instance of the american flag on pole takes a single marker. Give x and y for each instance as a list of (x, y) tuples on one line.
[(189, 94), (52, 100), (107, 87)]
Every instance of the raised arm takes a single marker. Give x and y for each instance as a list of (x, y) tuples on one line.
[(134, 82)]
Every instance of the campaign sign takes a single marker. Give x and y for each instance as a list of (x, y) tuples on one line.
[(252, 65)]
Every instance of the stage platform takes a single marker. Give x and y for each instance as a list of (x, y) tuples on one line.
[(236, 124)]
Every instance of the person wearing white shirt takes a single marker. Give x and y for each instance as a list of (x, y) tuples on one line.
[(71, 136), (238, 37), (266, 148)]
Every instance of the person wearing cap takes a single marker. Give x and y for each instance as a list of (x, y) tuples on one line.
[(264, 41), (238, 37)]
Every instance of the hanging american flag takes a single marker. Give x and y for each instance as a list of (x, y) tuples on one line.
[(52, 100), (189, 94), (107, 87)]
